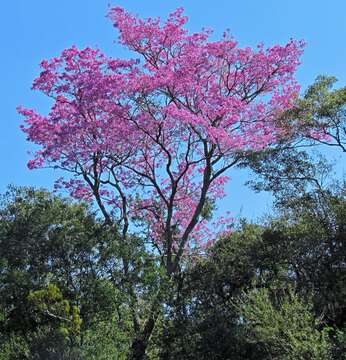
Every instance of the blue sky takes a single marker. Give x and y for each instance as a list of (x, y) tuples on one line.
[(34, 30)]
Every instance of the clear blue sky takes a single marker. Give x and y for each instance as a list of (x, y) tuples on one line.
[(37, 29)]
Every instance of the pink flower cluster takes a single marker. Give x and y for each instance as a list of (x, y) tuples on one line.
[(154, 137)]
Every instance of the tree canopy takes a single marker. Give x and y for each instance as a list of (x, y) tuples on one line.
[(135, 264)]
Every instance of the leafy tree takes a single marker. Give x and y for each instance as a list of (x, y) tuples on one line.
[(303, 247), (13, 347), (151, 141), (286, 327), (310, 222), (324, 109), (60, 276), (206, 314), (58, 324), (204, 322)]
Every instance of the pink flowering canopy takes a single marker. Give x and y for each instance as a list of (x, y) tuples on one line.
[(151, 139)]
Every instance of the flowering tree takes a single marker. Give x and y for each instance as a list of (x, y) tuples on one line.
[(151, 140)]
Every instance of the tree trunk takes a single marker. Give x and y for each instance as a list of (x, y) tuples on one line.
[(138, 349), (140, 343), (141, 340)]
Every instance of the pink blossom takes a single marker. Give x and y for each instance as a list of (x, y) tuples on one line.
[(152, 139)]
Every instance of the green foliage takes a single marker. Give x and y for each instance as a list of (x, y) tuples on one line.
[(302, 247), (49, 303), (71, 289), (60, 274), (285, 326), (339, 350), (106, 340), (14, 347), (322, 111)]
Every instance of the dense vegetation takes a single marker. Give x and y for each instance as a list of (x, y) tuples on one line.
[(135, 264), (274, 289), (271, 290)]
